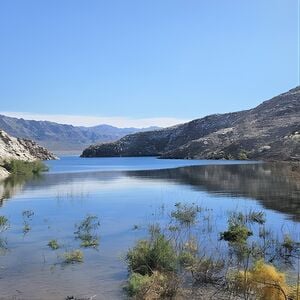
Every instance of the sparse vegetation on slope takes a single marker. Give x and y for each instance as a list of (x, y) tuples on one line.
[(269, 131)]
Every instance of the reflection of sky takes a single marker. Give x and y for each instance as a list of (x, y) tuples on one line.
[(68, 164), (82, 187)]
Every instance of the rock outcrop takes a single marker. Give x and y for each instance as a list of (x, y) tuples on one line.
[(22, 149), (271, 131)]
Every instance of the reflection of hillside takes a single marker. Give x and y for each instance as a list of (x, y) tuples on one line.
[(276, 186), (14, 185), (63, 184), (9, 188)]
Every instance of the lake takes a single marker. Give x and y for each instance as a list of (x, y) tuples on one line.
[(124, 193)]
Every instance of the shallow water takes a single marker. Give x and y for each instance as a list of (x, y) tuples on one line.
[(123, 192)]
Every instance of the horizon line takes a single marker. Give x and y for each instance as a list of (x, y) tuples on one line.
[(91, 121)]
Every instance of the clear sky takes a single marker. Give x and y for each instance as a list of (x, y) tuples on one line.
[(143, 62)]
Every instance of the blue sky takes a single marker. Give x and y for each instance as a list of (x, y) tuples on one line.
[(143, 62)]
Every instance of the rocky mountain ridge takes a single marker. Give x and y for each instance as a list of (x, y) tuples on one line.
[(63, 137), (270, 131)]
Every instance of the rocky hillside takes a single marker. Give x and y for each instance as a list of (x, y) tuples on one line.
[(21, 149), (271, 131), (62, 137)]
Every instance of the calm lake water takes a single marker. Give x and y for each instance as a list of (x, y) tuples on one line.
[(123, 192)]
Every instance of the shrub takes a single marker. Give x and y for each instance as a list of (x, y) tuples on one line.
[(207, 270), (137, 283), (187, 259), (236, 233), (155, 254), (264, 281), (157, 286)]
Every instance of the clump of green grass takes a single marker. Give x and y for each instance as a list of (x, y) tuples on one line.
[(24, 168), (86, 231), (157, 253), (53, 244), (74, 256)]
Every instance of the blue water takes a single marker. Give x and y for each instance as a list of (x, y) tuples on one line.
[(68, 164), (123, 192)]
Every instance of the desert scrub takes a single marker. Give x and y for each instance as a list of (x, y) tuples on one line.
[(136, 283), (74, 256), (155, 254), (262, 280), (86, 231), (53, 244), (156, 286), (24, 168), (185, 250)]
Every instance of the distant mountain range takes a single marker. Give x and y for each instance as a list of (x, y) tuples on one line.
[(62, 137), (270, 131)]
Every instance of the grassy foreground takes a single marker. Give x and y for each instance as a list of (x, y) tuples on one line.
[(187, 258)]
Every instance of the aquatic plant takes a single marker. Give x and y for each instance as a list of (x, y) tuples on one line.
[(74, 256), (185, 214), (27, 217), (171, 253), (86, 231), (53, 244), (4, 223), (236, 233)]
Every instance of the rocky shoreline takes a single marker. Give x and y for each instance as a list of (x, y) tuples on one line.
[(12, 148)]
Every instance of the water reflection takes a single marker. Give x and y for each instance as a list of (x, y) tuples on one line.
[(14, 185), (121, 199), (275, 186)]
